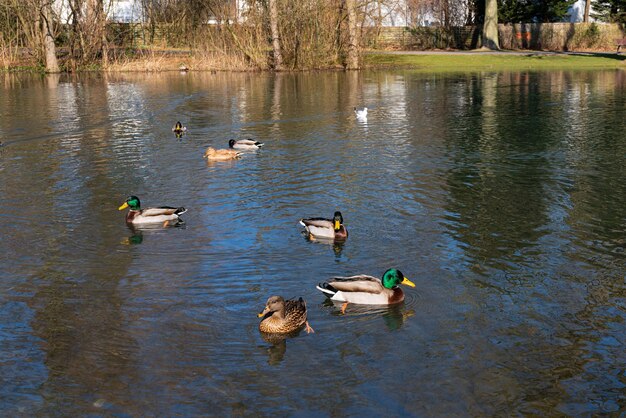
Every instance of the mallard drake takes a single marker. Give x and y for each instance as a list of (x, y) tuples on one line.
[(245, 144), (326, 228), (221, 154), (366, 290), (179, 129), (361, 113), (138, 216), (282, 316)]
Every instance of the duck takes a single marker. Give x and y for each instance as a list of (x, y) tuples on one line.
[(138, 216), (282, 316), (179, 129), (221, 154), (366, 290), (361, 113), (326, 228), (245, 144)]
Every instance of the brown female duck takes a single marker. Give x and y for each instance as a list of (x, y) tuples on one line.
[(213, 154), (282, 316)]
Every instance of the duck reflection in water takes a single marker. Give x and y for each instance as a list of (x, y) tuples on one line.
[(282, 319), (135, 238), (137, 232), (337, 246), (393, 316), (276, 352)]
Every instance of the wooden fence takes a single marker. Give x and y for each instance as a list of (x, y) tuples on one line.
[(534, 36)]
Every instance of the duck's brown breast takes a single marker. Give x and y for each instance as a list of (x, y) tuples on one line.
[(131, 215), (397, 296), (342, 233)]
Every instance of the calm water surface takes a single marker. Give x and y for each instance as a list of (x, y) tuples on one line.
[(501, 195)]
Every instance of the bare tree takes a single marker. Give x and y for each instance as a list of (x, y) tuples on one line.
[(353, 40), (278, 55), (302, 34), (52, 64)]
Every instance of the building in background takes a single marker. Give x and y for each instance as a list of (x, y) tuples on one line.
[(576, 12), (389, 13)]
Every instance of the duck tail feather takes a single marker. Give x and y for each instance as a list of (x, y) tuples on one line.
[(326, 289), (180, 211)]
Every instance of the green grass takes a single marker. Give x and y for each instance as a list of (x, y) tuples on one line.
[(473, 61), (450, 62)]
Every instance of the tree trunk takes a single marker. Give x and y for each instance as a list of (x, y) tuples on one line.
[(92, 29), (587, 7), (278, 54), (353, 41), (446, 13), (50, 52), (490, 25)]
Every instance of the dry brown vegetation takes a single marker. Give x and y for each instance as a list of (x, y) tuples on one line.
[(304, 35), (267, 34)]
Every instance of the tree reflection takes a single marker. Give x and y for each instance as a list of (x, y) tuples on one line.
[(497, 180), (77, 302)]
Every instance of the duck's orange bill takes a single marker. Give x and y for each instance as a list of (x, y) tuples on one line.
[(124, 206), (407, 282), (261, 314)]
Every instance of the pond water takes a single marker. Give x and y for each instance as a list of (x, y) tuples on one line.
[(501, 195)]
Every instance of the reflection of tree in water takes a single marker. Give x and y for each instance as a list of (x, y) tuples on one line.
[(497, 183), (559, 350), (77, 303), (514, 173), (520, 161)]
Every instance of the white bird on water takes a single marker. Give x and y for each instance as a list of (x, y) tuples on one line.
[(361, 113)]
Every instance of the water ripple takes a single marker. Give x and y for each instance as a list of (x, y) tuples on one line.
[(499, 194)]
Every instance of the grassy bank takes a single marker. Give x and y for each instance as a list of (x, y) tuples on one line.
[(173, 60), (472, 61)]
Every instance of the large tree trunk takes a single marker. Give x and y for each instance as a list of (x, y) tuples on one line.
[(490, 25), (92, 30), (587, 7), (50, 52), (278, 54), (353, 40)]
